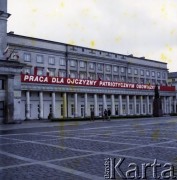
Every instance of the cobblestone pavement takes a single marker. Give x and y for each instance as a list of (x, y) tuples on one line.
[(80, 150)]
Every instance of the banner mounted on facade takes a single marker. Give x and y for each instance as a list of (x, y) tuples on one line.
[(86, 82)]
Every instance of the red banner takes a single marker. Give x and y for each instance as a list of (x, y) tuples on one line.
[(87, 82)]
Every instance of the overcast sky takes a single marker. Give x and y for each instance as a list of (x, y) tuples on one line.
[(139, 27)]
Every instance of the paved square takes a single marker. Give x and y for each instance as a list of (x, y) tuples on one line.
[(77, 150)]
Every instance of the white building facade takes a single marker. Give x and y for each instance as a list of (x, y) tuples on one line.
[(70, 81)]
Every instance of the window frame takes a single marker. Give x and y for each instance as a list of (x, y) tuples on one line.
[(73, 63), (27, 59), (142, 72), (49, 60), (82, 64), (100, 67), (38, 70), (122, 69), (147, 73), (135, 71), (129, 70), (41, 59), (153, 73), (91, 65)]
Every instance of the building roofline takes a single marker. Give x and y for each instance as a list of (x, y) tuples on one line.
[(55, 42)]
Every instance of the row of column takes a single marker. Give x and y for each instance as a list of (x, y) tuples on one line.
[(167, 101)]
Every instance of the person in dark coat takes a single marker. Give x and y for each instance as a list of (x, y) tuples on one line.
[(105, 114), (92, 115), (109, 114)]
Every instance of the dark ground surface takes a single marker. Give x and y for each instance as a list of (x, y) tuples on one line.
[(77, 150)]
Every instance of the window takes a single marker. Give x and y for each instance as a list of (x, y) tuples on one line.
[(136, 71), (142, 80), (51, 72), (147, 73), (73, 63), (129, 79), (129, 70), (62, 62), (100, 76), (73, 75), (117, 109), (39, 71), (122, 69), (148, 81), (92, 76), (142, 72), (51, 60), (62, 73), (158, 74), (39, 59), (100, 67), (108, 77), (136, 80), (72, 109), (108, 68), (1, 109), (62, 110), (27, 71), (1, 84), (153, 74), (122, 78), (91, 65), (115, 68), (91, 107), (164, 82), (124, 108), (164, 75), (153, 81), (82, 64), (115, 78), (27, 57), (82, 75), (131, 108)]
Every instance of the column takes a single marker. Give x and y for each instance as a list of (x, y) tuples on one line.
[(134, 103), (27, 105), (120, 104), (164, 105), (86, 104), (128, 106), (75, 105), (41, 105), (95, 105), (170, 109), (64, 105), (104, 102), (53, 104), (112, 105), (141, 104), (174, 105), (147, 108)]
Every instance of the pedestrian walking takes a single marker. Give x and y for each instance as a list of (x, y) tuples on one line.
[(92, 115), (105, 114), (109, 114)]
